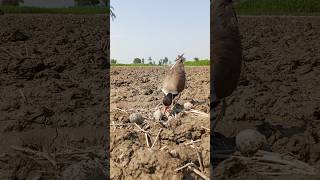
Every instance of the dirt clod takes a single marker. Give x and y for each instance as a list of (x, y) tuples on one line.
[(249, 141), (136, 118)]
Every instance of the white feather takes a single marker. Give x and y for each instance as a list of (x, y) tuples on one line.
[(165, 91), (173, 65)]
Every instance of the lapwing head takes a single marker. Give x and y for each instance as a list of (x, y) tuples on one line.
[(167, 100), (180, 59)]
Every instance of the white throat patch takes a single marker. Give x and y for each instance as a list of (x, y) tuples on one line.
[(165, 91), (173, 65)]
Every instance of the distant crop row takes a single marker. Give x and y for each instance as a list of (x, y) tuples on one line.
[(278, 7), (197, 63), (70, 10)]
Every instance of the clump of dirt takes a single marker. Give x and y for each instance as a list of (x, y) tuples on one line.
[(278, 93), (135, 89), (53, 88)]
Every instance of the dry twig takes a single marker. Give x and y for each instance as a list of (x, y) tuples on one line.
[(192, 142), (106, 44), (147, 139), (23, 96), (16, 55), (198, 113), (198, 173), (191, 167), (116, 108), (33, 152), (186, 165), (164, 147), (156, 138), (275, 160), (120, 124), (140, 128), (205, 128), (200, 161)]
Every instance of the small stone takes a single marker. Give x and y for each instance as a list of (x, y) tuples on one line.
[(157, 115), (249, 141), (174, 153), (188, 105), (136, 118)]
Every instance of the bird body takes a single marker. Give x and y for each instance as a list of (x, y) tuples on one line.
[(174, 82), (225, 48), (226, 53)]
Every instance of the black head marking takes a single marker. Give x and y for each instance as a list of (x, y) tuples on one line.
[(167, 100), (180, 58)]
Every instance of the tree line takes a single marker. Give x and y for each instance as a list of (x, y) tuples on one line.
[(163, 61), (78, 2), (150, 61)]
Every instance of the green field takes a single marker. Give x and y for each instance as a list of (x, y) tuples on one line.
[(70, 10), (278, 7), (197, 63)]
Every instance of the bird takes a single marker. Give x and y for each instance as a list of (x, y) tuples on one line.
[(174, 82), (226, 53)]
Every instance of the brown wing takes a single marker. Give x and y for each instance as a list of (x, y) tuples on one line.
[(175, 79)]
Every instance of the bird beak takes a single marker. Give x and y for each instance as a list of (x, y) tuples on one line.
[(165, 109)]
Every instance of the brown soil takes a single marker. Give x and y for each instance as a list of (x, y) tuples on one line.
[(279, 92), (52, 86), (138, 89)]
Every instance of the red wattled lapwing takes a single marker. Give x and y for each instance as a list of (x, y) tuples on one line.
[(174, 82)]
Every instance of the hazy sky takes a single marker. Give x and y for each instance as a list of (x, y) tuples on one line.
[(160, 28)]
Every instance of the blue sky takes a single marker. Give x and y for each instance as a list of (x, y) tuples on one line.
[(160, 28)]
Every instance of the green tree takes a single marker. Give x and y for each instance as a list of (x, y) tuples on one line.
[(170, 62), (150, 60), (105, 2), (137, 61), (165, 60), (113, 61), (87, 2), (153, 62), (142, 60), (196, 59), (12, 2)]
